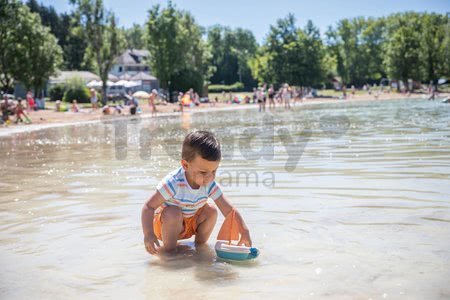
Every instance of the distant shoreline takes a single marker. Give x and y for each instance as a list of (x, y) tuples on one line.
[(45, 119)]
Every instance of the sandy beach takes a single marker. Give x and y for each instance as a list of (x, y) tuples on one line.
[(48, 118)]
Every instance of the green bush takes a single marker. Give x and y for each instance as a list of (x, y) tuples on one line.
[(218, 88), (76, 90), (57, 92)]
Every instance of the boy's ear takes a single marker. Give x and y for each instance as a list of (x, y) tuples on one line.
[(184, 164)]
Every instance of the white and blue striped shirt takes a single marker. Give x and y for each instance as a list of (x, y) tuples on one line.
[(176, 190)]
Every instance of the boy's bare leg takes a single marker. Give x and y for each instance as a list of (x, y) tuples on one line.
[(205, 223), (172, 226)]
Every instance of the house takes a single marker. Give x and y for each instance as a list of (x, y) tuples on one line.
[(148, 82), (132, 65), (131, 61)]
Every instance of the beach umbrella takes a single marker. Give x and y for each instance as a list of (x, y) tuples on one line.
[(94, 84), (120, 83), (141, 94), (131, 83)]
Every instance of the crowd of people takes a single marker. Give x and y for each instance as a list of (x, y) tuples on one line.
[(18, 110), (286, 96)]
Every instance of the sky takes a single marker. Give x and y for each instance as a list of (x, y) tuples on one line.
[(257, 16)]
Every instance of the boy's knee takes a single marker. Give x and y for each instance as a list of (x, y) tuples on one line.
[(210, 210), (171, 214)]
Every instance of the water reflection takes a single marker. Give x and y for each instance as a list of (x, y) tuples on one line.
[(365, 205), (201, 260)]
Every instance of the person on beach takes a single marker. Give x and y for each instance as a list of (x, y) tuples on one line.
[(40, 101), (431, 92), (271, 95), (30, 102), (286, 96), (178, 209), (151, 101), (344, 92), (261, 101), (5, 106), (75, 107), (254, 95), (132, 103), (94, 100), (20, 113)]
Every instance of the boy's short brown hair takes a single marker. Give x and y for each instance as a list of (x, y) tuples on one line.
[(202, 143)]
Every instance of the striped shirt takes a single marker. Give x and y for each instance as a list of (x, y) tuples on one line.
[(176, 190)]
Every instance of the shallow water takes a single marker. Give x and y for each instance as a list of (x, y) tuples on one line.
[(345, 200)]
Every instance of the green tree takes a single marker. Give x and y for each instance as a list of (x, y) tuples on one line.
[(312, 54), (9, 11), (104, 40), (42, 55), (135, 37), (357, 45), (282, 44), (402, 48), (434, 47), (352, 64), (260, 66), (231, 51), (178, 53), (373, 38), (291, 54), (34, 55), (62, 26), (77, 44)]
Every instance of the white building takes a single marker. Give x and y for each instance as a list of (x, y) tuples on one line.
[(131, 61), (132, 64)]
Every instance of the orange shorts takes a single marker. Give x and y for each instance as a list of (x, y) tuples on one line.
[(189, 225)]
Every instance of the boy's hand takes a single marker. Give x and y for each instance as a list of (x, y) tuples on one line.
[(151, 244), (245, 239)]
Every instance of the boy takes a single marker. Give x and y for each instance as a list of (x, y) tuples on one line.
[(178, 209)]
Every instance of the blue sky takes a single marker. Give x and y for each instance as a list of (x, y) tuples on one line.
[(259, 15)]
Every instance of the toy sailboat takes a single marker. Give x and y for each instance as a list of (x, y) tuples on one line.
[(227, 239)]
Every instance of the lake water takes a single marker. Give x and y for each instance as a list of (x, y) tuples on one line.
[(344, 200)]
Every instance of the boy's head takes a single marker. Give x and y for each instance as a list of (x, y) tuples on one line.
[(203, 144), (200, 157)]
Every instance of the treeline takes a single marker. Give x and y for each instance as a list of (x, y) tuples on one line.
[(35, 41)]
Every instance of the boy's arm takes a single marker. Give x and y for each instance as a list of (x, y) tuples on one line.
[(225, 208), (148, 212)]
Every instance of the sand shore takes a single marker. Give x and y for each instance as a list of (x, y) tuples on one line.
[(48, 118)]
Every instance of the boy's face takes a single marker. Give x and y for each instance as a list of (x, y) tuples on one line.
[(200, 171)]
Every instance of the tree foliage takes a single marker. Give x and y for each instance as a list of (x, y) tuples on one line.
[(62, 26), (29, 52), (178, 55), (401, 46), (291, 54), (105, 42), (134, 36), (231, 50)]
